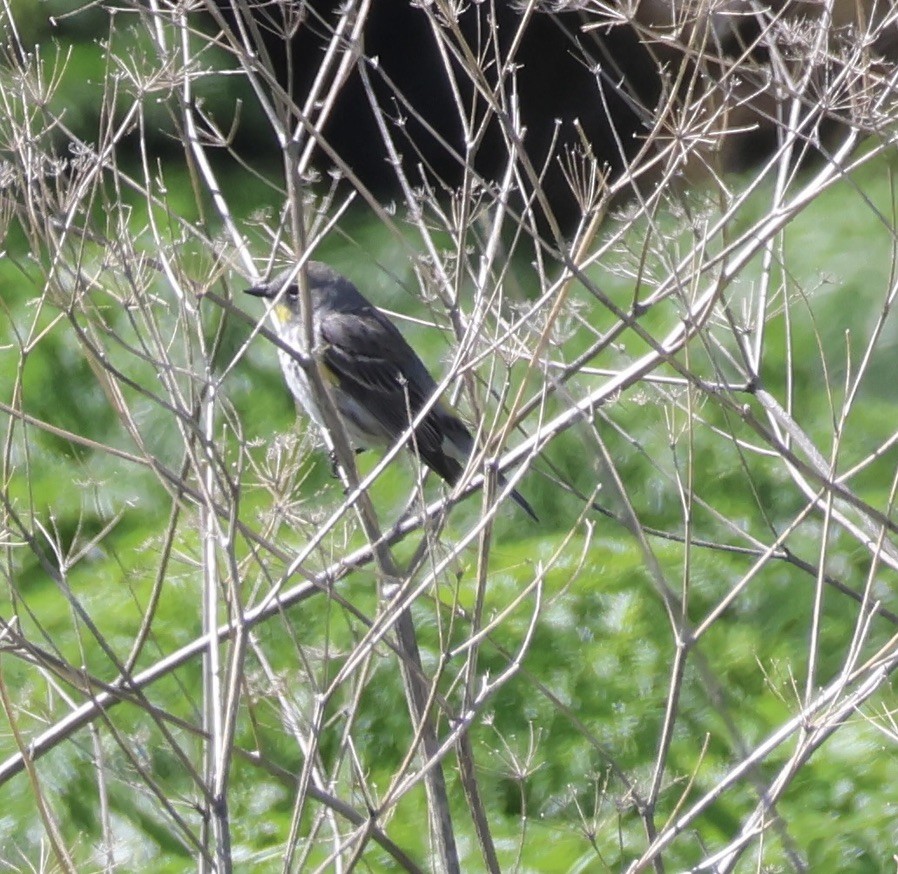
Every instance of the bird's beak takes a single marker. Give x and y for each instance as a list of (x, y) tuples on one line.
[(263, 290)]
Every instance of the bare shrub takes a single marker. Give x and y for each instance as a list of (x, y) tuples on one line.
[(211, 650)]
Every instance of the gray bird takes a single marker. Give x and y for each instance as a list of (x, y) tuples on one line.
[(376, 380)]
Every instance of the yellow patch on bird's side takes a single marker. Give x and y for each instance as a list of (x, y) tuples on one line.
[(282, 313), (327, 375)]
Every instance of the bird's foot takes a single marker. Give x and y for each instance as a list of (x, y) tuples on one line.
[(335, 465)]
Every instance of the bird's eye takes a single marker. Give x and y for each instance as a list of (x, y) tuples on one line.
[(293, 292)]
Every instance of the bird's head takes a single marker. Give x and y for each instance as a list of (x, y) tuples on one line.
[(283, 289)]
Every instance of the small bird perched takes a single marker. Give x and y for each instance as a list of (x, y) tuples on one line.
[(376, 380)]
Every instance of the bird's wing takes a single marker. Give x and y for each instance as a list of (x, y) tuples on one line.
[(366, 352), (365, 348)]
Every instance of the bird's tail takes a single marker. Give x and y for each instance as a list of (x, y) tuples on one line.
[(449, 458), (520, 500)]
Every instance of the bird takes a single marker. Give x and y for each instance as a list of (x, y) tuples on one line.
[(376, 381)]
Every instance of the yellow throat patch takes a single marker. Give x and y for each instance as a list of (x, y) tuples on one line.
[(282, 313)]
